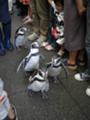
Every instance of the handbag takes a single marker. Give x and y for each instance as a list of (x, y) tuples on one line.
[(81, 6)]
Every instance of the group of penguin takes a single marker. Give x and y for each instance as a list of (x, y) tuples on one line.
[(38, 81)]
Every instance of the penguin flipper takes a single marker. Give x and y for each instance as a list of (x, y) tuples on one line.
[(19, 66)]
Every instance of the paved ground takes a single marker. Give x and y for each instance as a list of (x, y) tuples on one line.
[(67, 100)]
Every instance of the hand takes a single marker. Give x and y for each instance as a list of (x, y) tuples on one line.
[(27, 20), (54, 6), (54, 33)]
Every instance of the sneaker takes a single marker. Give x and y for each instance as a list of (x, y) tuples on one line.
[(82, 76), (69, 65), (60, 53), (41, 39), (88, 91), (32, 37)]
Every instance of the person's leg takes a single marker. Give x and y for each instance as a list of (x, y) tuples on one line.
[(43, 12), (86, 74), (2, 49), (72, 57), (71, 62), (7, 35), (36, 21), (88, 37)]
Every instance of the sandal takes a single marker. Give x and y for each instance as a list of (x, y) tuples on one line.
[(49, 47), (70, 66), (81, 62)]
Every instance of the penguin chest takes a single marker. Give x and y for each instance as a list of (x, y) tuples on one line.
[(37, 86), (20, 40), (33, 63), (54, 71)]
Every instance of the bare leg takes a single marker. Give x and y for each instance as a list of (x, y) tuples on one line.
[(72, 57)]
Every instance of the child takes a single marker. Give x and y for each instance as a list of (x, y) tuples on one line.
[(56, 28), (7, 112)]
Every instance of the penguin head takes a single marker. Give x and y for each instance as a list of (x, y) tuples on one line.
[(43, 73), (34, 48), (34, 45), (1, 86), (21, 30), (56, 61)]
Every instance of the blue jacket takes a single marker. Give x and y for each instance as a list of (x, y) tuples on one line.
[(4, 12)]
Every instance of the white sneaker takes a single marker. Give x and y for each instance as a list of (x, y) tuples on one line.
[(82, 76), (32, 37), (41, 39), (60, 53), (88, 91)]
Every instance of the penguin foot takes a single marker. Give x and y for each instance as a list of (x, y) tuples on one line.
[(44, 95), (56, 81), (30, 93)]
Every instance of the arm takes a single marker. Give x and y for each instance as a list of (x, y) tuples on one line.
[(51, 2), (80, 6)]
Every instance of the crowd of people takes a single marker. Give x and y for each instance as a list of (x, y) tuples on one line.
[(57, 25)]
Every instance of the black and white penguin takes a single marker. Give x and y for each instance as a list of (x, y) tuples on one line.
[(31, 61), (20, 37), (55, 67), (39, 83)]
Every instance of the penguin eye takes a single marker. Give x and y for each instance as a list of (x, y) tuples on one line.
[(33, 46), (22, 30)]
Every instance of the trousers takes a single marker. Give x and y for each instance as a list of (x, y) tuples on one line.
[(40, 13)]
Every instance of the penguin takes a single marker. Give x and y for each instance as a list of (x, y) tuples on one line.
[(20, 37), (31, 61), (55, 67), (39, 83)]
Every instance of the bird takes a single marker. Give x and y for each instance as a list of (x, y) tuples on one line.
[(31, 61), (20, 37), (54, 68), (39, 83)]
